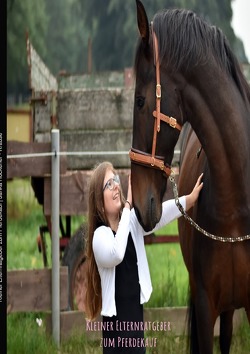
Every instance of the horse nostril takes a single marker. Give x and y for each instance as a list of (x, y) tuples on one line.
[(153, 213), (148, 216), (152, 202)]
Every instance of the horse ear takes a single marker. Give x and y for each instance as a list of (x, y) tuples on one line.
[(142, 21)]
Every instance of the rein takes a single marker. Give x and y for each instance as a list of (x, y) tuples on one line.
[(143, 158), (196, 226)]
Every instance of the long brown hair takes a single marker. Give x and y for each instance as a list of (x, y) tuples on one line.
[(96, 217)]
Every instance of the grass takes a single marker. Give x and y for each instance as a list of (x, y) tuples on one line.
[(169, 278), (24, 217), (168, 274), (25, 336)]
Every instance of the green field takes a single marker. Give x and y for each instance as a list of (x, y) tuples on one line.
[(168, 274)]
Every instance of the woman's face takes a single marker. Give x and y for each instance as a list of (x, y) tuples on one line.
[(111, 194)]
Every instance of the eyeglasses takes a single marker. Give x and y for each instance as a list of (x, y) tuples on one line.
[(110, 184)]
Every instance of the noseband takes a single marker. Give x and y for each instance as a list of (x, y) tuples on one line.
[(143, 158)]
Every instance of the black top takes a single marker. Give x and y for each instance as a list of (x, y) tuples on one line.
[(128, 307)]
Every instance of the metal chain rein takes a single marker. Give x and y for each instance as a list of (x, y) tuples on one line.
[(193, 223)]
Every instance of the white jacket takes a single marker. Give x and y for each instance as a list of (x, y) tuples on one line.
[(109, 251)]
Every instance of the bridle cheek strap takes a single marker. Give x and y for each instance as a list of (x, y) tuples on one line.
[(141, 157)]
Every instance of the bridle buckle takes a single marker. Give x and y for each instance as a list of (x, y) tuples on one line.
[(172, 122), (158, 91)]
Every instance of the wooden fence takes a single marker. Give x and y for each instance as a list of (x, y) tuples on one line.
[(30, 291)]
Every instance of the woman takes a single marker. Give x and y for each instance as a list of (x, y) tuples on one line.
[(118, 274)]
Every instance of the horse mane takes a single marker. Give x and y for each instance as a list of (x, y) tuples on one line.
[(186, 41)]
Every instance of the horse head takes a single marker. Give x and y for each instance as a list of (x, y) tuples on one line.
[(185, 71), (156, 125)]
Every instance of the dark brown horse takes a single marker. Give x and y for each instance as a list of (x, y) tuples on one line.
[(185, 69)]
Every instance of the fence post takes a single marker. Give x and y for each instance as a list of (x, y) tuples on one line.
[(55, 212)]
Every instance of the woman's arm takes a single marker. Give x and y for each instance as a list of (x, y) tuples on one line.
[(108, 249)]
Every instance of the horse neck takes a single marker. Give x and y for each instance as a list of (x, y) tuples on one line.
[(220, 118)]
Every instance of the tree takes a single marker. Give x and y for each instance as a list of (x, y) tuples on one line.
[(60, 29), (113, 26), (23, 16), (67, 36)]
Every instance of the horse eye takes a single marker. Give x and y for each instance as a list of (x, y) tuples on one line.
[(140, 101)]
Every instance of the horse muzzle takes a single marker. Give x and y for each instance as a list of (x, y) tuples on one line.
[(150, 214)]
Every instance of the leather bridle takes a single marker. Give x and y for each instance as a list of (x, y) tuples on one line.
[(143, 158)]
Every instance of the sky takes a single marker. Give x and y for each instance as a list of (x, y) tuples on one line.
[(241, 22)]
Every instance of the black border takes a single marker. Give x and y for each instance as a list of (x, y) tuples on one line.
[(3, 178)]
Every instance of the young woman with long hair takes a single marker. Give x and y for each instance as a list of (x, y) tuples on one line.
[(118, 278)]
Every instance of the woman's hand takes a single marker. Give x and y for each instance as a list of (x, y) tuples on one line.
[(193, 196)]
